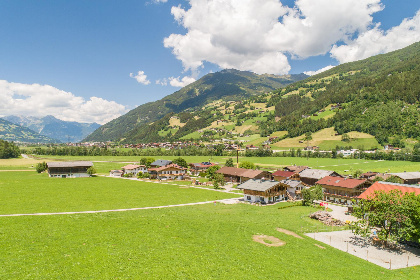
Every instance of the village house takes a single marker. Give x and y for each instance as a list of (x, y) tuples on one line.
[(410, 178), (168, 172), (342, 190), (282, 174), (196, 168), (295, 168), (160, 163), (69, 169), (373, 175), (311, 176), (134, 169), (264, 191), (240, 175), (386, 187), (293, 188)]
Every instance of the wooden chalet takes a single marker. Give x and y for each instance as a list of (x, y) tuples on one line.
[(295, 168), (311, 176), (282, 174), (373, 175), (410, 178), (240, 175), (168, 172), (293, 188), (263, 191), (69, 169), (196, 168), (342, 190)]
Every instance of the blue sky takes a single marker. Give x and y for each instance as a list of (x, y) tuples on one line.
[(94, 60)]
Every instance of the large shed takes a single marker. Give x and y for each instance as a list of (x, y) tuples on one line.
[(69, 169)]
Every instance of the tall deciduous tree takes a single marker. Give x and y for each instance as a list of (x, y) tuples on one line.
[(397, 216)]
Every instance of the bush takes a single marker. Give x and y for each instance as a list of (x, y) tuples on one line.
[(41, 167)]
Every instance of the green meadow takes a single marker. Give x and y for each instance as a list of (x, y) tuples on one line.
[(30, 192), (210, 241)]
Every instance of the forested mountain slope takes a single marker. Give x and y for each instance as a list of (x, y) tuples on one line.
[(14, 132), (224, 85)]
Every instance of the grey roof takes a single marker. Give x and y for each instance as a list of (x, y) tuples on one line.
[(315, 173), (70, 164), (401, 185), (407, 175), (161, 162), (291, 183), (258, 185)]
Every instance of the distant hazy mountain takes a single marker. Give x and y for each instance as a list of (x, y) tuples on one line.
[(55, 128), (228, 85), (14, 132)]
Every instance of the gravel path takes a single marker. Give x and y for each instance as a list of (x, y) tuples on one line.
[(357, 246), (225, 201)]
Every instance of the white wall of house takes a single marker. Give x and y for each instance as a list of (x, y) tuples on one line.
[(257, 198), (70, 175)]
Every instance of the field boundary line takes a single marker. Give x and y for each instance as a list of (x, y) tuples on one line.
[(114, 210)]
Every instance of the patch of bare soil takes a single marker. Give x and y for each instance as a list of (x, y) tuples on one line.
[(269, 241), (288, 232)]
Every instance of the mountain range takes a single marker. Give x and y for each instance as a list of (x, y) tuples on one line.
[(63, 131), (17, 133)]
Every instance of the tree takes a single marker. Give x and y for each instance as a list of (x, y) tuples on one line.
[(218, 180), (211, 171), (394, 214), (219, 150), (357, 173), (41, 167), (8, 150), (313, 193), (345, 137), (147, 161), (91, 170), (181, 162), (394, 179), (229, 162), (247, 165), (308, 136)]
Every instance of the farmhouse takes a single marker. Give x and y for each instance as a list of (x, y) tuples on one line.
[(168, 172), (386, 186), (239, 175), (408, 177), (160, 163), (196, 168), (342, 190), (264, 191), (311, 176), (134, 169), (293, 188), (69, 169), (281, 175), (373, 175), (295, 168)]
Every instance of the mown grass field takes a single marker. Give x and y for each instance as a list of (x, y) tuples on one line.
[(343, 166), (27, 192), (192, 242)]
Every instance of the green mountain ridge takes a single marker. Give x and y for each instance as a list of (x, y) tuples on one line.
[(227, 84), (14, 132)]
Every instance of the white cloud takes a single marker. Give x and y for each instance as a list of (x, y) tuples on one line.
[(41, 100), (311, 73), (255, 35), (177, 82), (162, 82), (376, 41), (140, 77)]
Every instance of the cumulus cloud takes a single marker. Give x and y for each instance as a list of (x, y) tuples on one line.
[(177, 82), (255, 35), (311, 73), (140, 78), (41, 100), (162, 82), (376, 41)]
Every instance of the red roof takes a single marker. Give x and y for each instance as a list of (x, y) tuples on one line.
[(384, 186), (281, 173), (341, 182)]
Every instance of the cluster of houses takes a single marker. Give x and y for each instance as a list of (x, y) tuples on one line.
[(259, 185)]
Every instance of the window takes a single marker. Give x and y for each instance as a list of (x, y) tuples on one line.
[(248, 197)]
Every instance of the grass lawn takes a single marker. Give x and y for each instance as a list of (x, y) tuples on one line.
[(193, 242), (27, 192)]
